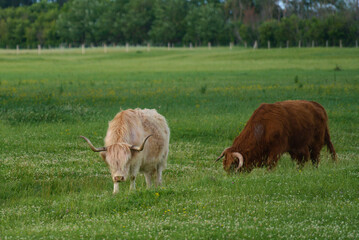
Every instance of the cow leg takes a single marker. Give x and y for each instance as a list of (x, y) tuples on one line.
[(159, 175), (314, 156), (303, 157), (159, 169), (300, 156), (133, 183), (300, 162), (272, 161), (295, 156), (306, 154), (148, 177), (115, 188)]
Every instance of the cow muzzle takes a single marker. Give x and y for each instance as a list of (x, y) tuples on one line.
[(119, 179)]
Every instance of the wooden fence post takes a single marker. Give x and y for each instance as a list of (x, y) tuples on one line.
[(209, 46), (38, 49), (268, 44), (83, 48)]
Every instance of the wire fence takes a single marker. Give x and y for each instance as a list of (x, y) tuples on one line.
[(107, 48)]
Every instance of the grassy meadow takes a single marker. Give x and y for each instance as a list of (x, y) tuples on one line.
[(52, 186)]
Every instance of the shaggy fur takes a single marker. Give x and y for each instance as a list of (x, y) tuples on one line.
[(297, 127)]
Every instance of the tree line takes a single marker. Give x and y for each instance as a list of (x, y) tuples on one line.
[(28, 23)]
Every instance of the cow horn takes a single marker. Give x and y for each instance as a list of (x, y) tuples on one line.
[(240, 159), (139, 149), (221, 156), (102, 149)]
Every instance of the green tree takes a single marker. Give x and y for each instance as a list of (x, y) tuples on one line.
[(3, 33), (78, 20), (205, 23), (136, 20), (13, 24), (113, 21), (169, 24), (268, 31), (43, 27), (288, 30), (340, 28)]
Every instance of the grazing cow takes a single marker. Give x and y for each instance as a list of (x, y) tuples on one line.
[(126, 151), (297, 127)]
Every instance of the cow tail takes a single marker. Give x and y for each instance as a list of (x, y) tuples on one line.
[(329, 144)]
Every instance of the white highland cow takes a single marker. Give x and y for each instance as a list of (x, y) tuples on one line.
[(137, 140)]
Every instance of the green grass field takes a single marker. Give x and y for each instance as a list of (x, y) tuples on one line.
[(52, 186)]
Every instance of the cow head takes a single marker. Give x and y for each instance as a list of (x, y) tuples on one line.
[(231, 158), (117, 157)]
